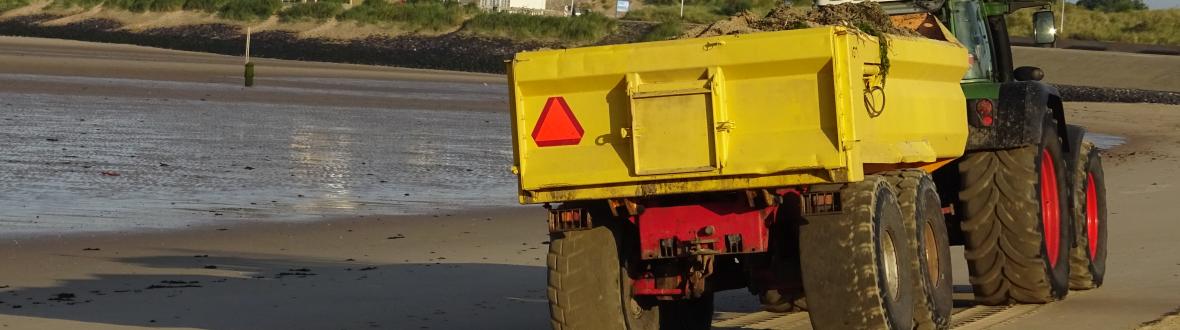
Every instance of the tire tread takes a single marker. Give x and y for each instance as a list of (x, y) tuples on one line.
[(1003, 247)]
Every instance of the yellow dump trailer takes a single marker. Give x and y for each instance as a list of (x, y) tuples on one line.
[(821, 169), (728, 113)]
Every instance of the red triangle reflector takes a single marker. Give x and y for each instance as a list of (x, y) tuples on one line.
[(557, 125)]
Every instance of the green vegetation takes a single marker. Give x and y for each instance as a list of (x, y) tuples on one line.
[(140, 6), (584, 28), (1140, 26), (666, 13), (85, 4), (319, 11), (242, 10), (248, 10), (137, 6), (6, 5), (702, 11), (664, 31), (210, 6), (414, 16), (1113, 5)]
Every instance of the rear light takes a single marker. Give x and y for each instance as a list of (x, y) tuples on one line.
[(985, 109), (568, 219)]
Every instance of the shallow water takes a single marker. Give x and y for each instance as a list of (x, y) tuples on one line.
[(181, 163), (1105, 141)]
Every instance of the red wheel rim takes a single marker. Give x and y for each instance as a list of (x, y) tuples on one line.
[(1050, 209), (1091, 216)]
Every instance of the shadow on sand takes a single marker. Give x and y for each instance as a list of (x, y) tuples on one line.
[(260, 292), (188, 289)]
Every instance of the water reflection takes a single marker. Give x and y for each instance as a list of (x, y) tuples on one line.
[(324, 158), (1105, 141)]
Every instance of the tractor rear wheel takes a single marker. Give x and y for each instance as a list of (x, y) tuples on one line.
[(856, 264), (1088, 258), (1014, 202)]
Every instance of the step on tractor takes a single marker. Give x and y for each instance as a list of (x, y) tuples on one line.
[(817, 169)]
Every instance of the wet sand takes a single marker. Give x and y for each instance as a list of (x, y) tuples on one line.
[(368, 267), (96, 142)]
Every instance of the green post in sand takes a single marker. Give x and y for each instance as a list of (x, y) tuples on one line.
[(249, 73)]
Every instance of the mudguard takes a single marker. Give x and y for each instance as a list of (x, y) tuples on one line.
[(1019, 114)]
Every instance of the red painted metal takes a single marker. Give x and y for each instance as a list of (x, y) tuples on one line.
[(557, 125), (1092, 216), (1050, 207), (703, 228), (647, 287), (949, 210)]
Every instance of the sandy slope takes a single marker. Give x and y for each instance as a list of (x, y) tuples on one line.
[(1103, 69)]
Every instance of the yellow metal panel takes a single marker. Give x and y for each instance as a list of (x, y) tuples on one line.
[(919, 116), (680, 186), (672, 133)]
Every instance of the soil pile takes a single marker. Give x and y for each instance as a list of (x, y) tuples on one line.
[(868, 17)]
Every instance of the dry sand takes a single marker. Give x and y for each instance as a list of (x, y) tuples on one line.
[(473, 269)]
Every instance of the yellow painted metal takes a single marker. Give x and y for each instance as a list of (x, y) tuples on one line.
[(672, 122), (735, 112)]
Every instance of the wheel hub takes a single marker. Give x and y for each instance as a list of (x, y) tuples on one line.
[(1050, 207), (930, 253), (1091, 216), (889, 254)]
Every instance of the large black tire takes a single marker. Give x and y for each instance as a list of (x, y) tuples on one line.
[(783, 301), (855, 264), (589, 286), (1088, 257), (921, 212), (1005, 212)]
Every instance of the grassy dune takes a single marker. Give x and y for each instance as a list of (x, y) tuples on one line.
[(239, 10), (1160, 27), (6, 5), (584, 28), (393, 16), (434, 17)]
